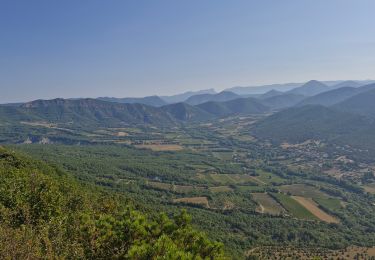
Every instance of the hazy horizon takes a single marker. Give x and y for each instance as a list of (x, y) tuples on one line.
[(181, 92), (74, 49)]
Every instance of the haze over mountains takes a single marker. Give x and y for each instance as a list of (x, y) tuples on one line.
[(345, 96), (154, 101), (219, 97), (307, 89), (344, 116), (335, 112), (201, 105)]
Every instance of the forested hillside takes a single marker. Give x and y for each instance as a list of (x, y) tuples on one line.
[(45, 214)]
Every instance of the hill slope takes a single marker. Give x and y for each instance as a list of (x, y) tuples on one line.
[(220, 97), (311, 122), (361, 104), (349, 83), (263, 89), (335, 96), (241, 106), (94, 112), (183, 96), (311, 88), (271, 93), (283, 101), (331, 97), (45, 214), (186, 112)]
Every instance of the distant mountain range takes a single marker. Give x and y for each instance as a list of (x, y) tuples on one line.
[(283, 100), (344, 113), (240, 106), (344, 116), (310, 88), (220, 97), (263, 89), (154, 101), (94, 112), (298, 90), (157, 101), (360, 104), (329, 98), (256, 90), (155, 110), (184, 96), (335, 96)]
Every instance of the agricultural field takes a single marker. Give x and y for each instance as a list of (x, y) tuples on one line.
[(311, 206), (227, 156), (293, 207), (370, 188), (250, 189), (265, 177), (160, 147), (202, 201), (303, 190), (220, 189), (175, 188), (333, 204), (266, 204), (229, 179)]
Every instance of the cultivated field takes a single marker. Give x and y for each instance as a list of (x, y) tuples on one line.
[(161, 147), (221, 189), (228, 179), (370, 188), (311, 206), (175, 188), (223, 155), (267, 204), (333, 204), (203, 201), (268, 178), (294, 207), (232, 178), (303, 191)]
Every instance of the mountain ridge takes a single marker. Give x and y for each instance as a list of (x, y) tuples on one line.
[(155, 101), (219, 97)]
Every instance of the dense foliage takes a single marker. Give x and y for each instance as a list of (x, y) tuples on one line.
[(45, 214), (126, 170)]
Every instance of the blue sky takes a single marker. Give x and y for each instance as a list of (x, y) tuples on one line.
[(91, 48)]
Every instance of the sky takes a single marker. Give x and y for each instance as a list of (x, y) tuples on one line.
[(122, 48)]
